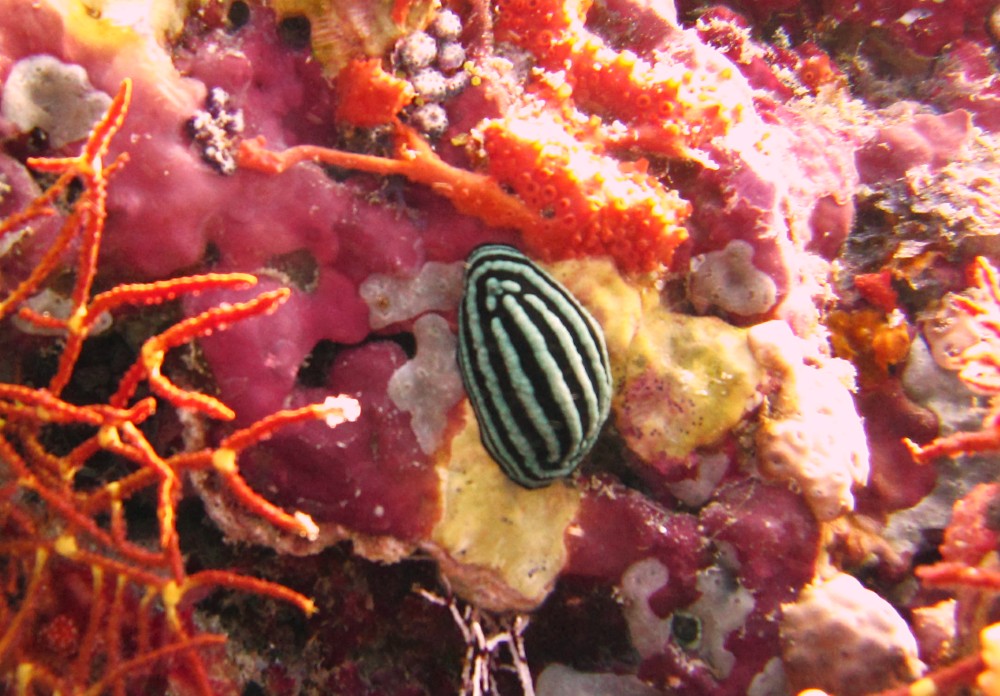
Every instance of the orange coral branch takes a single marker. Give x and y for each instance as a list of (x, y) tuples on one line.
[(166, 290), (86, 222), (955, 444), (42, 405), (218, 578), (954, 573), (88, 530), (81, 665), (27, 606), (147, 658), (154, 351), (471, 194), (590, 204)]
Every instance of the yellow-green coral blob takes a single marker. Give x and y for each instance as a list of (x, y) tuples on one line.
[(687, 382), (616, 304), (503, 544), (119, 22), (681, 382)]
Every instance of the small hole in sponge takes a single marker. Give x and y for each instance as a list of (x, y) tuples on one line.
[(295, 32), (238, 15), (315, 369)]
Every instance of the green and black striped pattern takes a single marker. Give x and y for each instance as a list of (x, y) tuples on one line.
[(534, 364)]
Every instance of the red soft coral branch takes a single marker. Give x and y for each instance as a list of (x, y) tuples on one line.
[(136, 610)]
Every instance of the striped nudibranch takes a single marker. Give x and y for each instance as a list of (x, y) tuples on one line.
[(534, 364)]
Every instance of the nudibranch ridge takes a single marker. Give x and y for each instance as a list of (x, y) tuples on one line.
[(535, 366)]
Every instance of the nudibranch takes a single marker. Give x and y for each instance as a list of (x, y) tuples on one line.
[(535, 366)]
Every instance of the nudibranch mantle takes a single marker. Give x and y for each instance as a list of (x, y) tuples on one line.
[(534, 363)]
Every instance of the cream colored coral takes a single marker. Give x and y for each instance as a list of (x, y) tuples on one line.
[(727, 279), (501, 546), (45, 93), (428, 386), (810, 432), (846, 640)]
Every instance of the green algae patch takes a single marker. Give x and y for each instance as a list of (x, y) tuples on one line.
[(499, 544), (687, 382)]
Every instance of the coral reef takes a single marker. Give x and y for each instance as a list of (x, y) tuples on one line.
[(232, 244)]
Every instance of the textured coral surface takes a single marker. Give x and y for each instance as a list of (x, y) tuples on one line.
[(236, 455)]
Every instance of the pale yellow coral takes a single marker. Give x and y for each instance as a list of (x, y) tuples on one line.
[(989, 679), (688, 381), (500, 545), (681, 382)]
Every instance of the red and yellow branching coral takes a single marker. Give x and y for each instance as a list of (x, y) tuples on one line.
[(132, 598), (980, 368)]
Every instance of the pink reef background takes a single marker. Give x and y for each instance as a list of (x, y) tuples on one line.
[(884, 117)]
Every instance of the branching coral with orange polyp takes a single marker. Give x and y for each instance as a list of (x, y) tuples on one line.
[(574, 202), (980, 367), (87, 605), (573, 198), (668, 108)]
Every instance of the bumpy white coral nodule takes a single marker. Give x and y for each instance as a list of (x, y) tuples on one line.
[(447, 25), (810, 432), (846, 640), (416, 51)]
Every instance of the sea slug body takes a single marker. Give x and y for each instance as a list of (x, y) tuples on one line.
[(535, 366)]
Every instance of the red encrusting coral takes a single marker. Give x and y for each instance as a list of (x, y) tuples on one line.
[(581, 200), (131, 597), (584, 200), (668, 110), (368, 96)]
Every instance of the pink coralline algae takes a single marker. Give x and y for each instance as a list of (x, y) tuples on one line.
[(966, 78), (780, 214)]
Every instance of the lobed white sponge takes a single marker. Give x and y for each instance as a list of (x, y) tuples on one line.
[(43, 92)]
